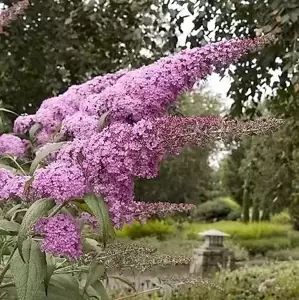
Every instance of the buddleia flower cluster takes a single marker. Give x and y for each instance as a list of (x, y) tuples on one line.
[(113, 129)]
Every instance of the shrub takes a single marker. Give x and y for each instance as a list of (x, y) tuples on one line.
[(154, 228), (284, 255), (279, 281), (262, 246), (216, 210), (281, 218)]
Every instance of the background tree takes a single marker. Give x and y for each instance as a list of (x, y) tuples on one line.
[(231, 181), (252, 77)]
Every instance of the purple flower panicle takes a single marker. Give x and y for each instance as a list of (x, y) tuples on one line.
[(60, 235), (11, 185), (13, 145)]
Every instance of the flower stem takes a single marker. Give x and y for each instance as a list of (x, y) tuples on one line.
[(5, 269), (17, 164), (57, 209)]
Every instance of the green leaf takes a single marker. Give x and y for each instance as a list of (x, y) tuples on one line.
[(33, 130), (51, 266), (43, 153), (100, 209), (8, 111), (57, 291), (100, 289), (9, 227), (103, 119), (124, 280), (37, 210), (28, 276), (68, 283), (82, 205), (91, 245), (14, 210), (7, 167), (96, 271)]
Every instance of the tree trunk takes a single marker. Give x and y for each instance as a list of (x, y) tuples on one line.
[(255, 211), (246, 203)]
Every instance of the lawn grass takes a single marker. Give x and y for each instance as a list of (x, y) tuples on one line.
[(239, 230)]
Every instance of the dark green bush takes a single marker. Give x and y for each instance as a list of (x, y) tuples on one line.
[(284, 255), (262, 246), (216, 210), (279, 281)]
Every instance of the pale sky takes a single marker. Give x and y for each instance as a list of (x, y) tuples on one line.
[(215, 83)]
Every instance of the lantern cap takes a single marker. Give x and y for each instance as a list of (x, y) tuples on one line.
[(213, 232)]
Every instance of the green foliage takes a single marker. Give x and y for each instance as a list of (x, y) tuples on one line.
[(216, 210), (262, 246), (278, 281), (99, 209), (189, 177), (269, 170), (37, 210), (231, 181), (284, 255), (154, 228), (28, 274), (281, 218), (241, 231), (274, 281)]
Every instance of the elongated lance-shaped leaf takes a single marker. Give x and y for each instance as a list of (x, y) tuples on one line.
[(82, 205), (10, 213), (100, 209), (43, 153), (96, 271), (67, 282), (101, 290), (9, 227), (103, 120), (28, 276), (7, 167), (51, 266), (37, 210), (8, 111), (33, 130)]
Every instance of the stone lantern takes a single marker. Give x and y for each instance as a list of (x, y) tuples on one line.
[(212, 256), (213, 238)]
